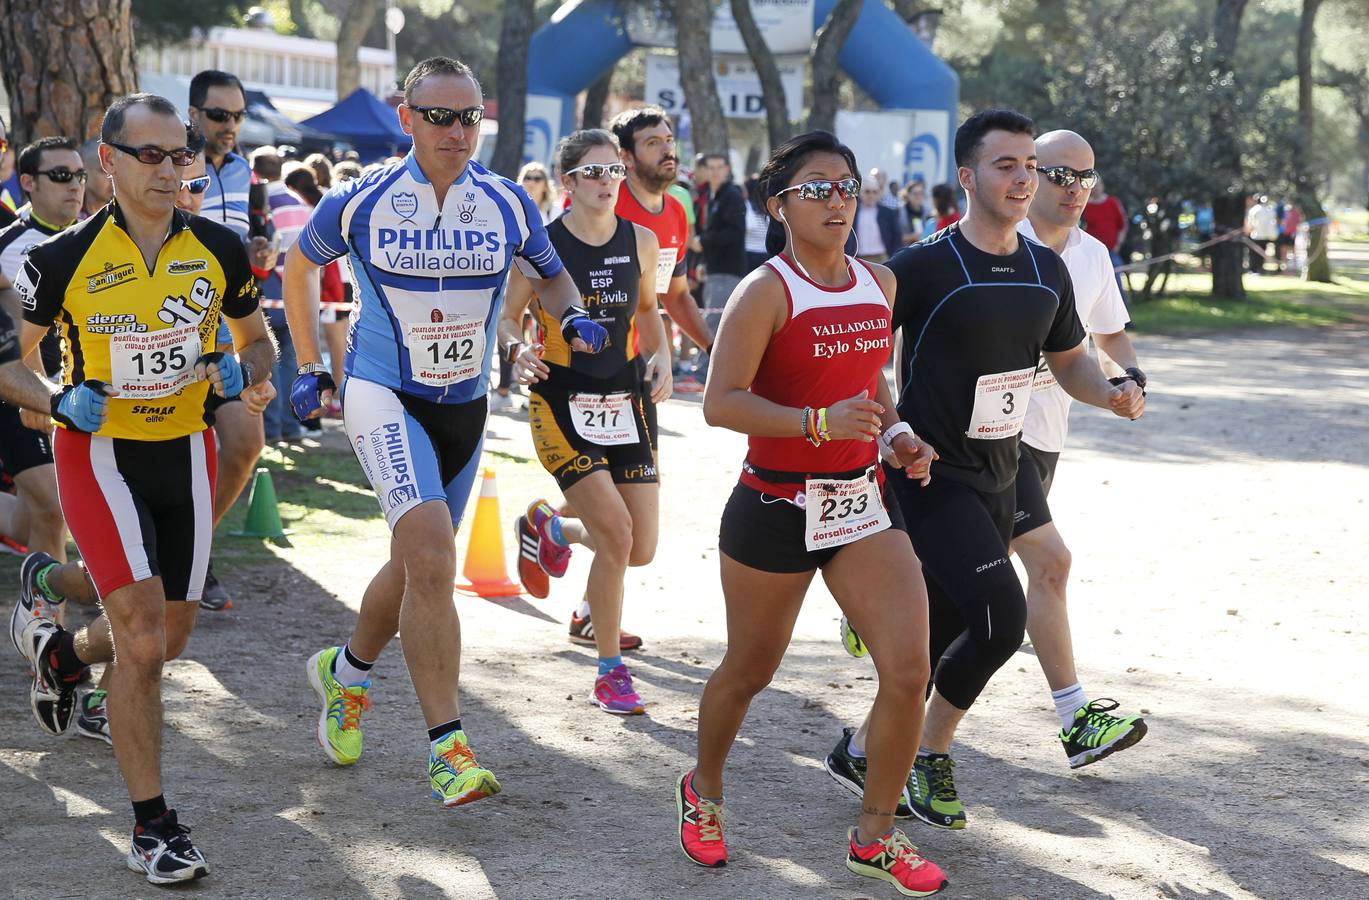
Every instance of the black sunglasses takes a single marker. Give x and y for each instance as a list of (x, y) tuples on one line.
[(195, 185), (442, 116), (1064, 176), (151, 155), (219, 114), (63, 176)]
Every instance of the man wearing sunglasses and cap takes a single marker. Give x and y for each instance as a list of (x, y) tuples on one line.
[(1089, 730), (430, 239), (138, 289)]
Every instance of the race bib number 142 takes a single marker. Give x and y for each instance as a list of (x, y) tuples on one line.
[(445, 353)]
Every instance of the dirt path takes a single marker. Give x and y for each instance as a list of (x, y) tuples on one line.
[(1218, 584)]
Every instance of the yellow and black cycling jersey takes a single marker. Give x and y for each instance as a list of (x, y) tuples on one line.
[(139, 329), (608, 278)]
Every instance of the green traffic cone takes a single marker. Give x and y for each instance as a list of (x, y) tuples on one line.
[(263, 518)]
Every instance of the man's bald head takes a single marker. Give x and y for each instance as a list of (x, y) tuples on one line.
[(1055, 206), (1063, 148)]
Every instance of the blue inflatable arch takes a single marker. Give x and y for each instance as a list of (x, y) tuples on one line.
[(586, 38)]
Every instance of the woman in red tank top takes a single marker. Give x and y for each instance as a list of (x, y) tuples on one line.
[(797, 366)]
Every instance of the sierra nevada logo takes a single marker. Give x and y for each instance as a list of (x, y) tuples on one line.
[(186, 266), (405, 205), (110, 276)]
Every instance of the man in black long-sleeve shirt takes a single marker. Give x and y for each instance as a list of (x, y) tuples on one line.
[(722, 239)]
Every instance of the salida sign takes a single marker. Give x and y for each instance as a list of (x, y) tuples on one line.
[(739, 87)]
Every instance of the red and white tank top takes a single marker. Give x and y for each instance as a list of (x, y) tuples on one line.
[(834, 345)]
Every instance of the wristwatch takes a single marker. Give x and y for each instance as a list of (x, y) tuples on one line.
[(247, 373), (311, 369)]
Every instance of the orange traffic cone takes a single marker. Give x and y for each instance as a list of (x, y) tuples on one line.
[(485, 572)]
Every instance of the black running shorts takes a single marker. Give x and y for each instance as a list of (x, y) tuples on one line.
[(21, 448), (766, 532), (1035, 472), (569, 456)]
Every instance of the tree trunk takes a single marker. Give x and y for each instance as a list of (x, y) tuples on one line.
[(772, 88), (355, 22), (1228, 204), (694, 42), (826, 50), (595, 98), (64, 62), (300, 19), (1305, 187), (514, 34)]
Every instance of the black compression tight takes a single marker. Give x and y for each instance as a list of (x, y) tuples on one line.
[(977, 610)]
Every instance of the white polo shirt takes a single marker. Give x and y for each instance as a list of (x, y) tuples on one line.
[(1101, 310)]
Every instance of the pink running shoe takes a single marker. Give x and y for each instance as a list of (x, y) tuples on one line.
[(894, 859), (550, 555), (614, 693), (701, 825)]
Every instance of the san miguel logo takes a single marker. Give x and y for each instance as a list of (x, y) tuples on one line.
[(405, 205), (186, 266), (111, 276)]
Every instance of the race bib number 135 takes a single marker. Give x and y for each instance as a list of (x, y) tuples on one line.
[(149, 365)]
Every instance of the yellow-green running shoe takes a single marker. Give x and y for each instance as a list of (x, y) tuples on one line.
[(851, 641), (931, 791), (339, 724), (1096, 733), (455, 776)]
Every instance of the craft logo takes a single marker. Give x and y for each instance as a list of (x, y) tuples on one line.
[(186, 266), (435, 316), (405, 205), (466, 213), (111, 276)]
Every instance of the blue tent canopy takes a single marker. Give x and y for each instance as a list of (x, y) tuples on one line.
[(366, 121)]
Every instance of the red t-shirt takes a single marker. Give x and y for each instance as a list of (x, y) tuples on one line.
[(671, 228), (1105, 220)]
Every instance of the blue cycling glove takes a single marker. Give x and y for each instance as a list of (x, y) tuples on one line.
[(576, 323), (230, 370), (80, 407), (305, 393)]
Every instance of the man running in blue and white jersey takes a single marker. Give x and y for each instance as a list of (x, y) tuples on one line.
[(430, 241)]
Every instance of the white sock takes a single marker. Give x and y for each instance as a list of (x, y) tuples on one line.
[(583, 611), (1067, 702), (855, 747), (347, 674)]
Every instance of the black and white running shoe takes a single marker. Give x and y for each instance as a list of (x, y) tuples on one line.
[(92, 719), (31, 603), (52, 697), (163, 852)]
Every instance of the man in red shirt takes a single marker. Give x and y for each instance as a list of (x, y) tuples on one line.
[(1106, 219), (648, 151)]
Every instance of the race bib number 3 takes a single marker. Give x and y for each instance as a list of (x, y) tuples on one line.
[(604, 419), (1000, 404), (665, 269), (839, 512), (148, 365), (445, 353)]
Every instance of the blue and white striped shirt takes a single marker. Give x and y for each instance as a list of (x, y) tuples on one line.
[(225, 200), (428, 279)]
